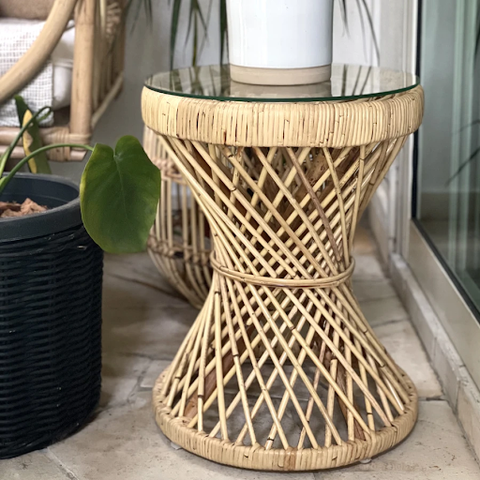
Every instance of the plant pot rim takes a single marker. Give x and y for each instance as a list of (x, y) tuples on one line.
[(52, 221)]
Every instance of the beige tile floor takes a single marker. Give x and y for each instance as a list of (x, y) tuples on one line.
[(144, 322)]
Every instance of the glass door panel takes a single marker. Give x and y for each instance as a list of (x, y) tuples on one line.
[(447, 183)]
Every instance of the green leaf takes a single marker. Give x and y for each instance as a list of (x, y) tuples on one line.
[(173, 29), (344, 14), (472, 156), (205, 22), (31, 138), (195, 16), (191, 15), (368, 14), (195, 41), (147, 6), (223, 29), (119, 194)]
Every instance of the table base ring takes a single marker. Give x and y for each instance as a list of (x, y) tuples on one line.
[(256, 457), (307, 283)]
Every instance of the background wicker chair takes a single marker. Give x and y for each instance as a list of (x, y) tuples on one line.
[(97, 71), (179, 242)]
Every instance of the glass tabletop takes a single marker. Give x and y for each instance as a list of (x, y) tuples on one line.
[(348, 82)]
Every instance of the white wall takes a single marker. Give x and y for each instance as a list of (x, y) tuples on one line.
[(355, 46), (390, 207), (147, 52)]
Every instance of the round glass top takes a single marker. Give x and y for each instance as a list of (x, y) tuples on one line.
[(348, 82)]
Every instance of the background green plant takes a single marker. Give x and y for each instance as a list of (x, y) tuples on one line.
[(198, 21)]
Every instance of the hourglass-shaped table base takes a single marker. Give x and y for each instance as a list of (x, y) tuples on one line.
[(281, 370)]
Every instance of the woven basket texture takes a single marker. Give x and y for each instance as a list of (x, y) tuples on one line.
[(50, 338)]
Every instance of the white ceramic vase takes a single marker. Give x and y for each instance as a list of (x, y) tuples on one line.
[(280, 42)]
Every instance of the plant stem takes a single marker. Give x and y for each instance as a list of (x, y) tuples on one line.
[(5, 180), (4, 158)]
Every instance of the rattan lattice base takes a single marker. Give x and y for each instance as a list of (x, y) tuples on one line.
[(279, 459), (281, 370)]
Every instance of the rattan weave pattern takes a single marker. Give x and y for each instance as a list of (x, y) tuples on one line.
[(50, 338)]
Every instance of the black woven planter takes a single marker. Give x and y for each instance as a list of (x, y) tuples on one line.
[(50, 318)]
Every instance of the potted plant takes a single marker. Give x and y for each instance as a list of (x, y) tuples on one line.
[(50, 283)]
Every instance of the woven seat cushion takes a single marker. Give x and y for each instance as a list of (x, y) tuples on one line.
[(27, 9)]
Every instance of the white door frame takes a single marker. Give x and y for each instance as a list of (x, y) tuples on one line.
[(390, 209)]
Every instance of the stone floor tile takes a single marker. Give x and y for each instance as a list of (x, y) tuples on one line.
[(154, 370), (127, 438), (348, 474), (436, 450), (403, 345), (366, 290), (383, 311), (119, 292), (367, 267), (125, 443), (143, 327), (137, 267), (363, 244), (150, 330), (32, 466), (121, 374), (138, 317)]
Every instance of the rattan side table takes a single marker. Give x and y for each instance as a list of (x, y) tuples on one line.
[(281, 370)]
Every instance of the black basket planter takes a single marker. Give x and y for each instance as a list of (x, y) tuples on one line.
[(50, 318)]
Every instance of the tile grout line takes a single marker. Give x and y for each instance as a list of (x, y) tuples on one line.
[(65, 470), (377, 299), (137, 387), (435, 398), (390, 322), (142, 355), (146, 284)]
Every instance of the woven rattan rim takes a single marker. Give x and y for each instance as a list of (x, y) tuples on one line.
[(321, 124), (305, 459)]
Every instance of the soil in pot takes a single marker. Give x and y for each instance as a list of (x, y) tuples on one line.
[(14, 209)]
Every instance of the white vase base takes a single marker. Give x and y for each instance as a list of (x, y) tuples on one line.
[(280, 76)]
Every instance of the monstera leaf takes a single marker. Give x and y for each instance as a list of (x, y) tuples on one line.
[(31, 139), (119, 194)]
